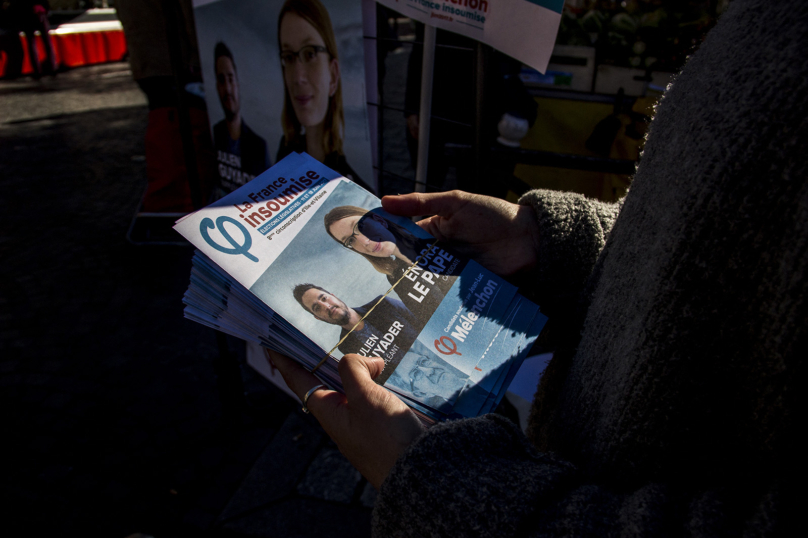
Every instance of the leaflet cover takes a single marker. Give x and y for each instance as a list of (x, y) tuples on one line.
[(326, 271)]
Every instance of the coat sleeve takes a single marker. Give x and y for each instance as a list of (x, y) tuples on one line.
[(474, 477), (482, 478), (572, 232)]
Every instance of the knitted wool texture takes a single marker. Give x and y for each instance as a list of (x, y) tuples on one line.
[(671, 406)]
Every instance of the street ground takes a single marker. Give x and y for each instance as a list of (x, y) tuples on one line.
[(114, 420)]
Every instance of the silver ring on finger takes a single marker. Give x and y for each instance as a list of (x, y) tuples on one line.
[(311, 391)]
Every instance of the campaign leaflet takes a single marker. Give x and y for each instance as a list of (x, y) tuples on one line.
[(307, 263)]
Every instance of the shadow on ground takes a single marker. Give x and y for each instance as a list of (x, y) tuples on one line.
[(112, 422)]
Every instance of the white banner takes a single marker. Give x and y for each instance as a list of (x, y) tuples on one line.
[(523, 29)]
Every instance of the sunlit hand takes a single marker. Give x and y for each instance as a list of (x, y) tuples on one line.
[(501, 236), (370, 425)]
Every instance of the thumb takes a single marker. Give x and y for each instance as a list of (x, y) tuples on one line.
[(357, 373)]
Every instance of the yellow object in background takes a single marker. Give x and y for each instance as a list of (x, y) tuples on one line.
[(563, 126)]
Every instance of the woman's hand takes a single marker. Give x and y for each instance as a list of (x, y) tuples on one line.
[(501, 236), (370, 425)]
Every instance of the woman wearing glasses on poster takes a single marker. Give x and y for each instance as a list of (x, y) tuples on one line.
[(391, 250), (312, 119)]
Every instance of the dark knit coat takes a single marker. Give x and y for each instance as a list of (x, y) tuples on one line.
[(672, 403)]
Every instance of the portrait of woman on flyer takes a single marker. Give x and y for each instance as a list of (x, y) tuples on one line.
[(312, 118), (391, 249)]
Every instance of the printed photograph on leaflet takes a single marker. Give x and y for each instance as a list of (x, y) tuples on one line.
[(322, 254), (343, 263)]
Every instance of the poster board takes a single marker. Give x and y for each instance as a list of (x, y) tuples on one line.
[(249, 30)]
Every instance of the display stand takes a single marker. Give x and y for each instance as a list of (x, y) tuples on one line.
[(425, 113)]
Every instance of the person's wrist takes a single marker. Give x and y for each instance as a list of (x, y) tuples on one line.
[(528, 229)]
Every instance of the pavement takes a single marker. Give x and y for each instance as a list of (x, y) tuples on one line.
[(116, 417)]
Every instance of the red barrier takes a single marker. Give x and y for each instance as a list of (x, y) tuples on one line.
[(69, 50), (75, 49)]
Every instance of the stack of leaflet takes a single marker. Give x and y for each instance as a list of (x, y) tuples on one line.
[(306, 263)]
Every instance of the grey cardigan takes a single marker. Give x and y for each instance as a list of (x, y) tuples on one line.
[(672, 402)]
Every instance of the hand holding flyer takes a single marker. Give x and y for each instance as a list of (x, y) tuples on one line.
[(373, 430), (501, 236), (307, 264)]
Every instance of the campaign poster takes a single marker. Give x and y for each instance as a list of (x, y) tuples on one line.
[(522, 29), (283, 77)]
